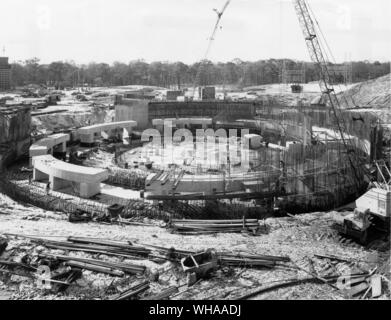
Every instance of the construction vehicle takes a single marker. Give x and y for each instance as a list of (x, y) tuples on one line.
[(372, 212), (296, 88), (371, 215), (373, 209)]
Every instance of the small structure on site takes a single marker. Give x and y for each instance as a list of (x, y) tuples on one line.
[(132, 109), (5, 74), (15, 129), (84, 181), (207, 93), (53, 143), (90, 134), (172, 95)]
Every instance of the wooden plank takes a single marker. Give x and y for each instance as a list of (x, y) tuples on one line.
[(358, 289), (95, 268), (376, 286)]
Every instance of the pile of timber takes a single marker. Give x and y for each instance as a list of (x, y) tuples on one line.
[(132, 292), (171, 254), (163, 295), (92, 245), (252, 261), (113, 268), (123, 249), (194, 227)]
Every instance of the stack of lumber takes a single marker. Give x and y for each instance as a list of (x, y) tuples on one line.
[(113, 268), (244, 260), (164, 295), (132, 292), (193, 227), (171, 254), (119, 249)]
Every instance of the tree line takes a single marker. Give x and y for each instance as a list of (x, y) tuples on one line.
[(177, 74)]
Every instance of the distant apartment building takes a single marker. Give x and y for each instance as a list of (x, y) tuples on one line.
[(5, 74)]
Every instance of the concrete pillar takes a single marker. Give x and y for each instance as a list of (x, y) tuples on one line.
[(105, 134), (87, 138), (58, 184), (87, 190), (39, 176), (301, 187), (160, 128), (63, 147)]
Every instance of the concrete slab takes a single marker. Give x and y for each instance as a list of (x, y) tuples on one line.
[(91, 133), (62, 175), (45, 145), (107, 126)]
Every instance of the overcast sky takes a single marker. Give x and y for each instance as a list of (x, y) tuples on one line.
[(178, 30)]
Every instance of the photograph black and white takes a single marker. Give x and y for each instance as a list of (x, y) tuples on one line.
[(169, 151)]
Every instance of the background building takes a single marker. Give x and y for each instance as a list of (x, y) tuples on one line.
[(5, 74)]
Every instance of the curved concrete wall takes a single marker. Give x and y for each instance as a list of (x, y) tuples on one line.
[(61, 175), (89, 134), (107, 126), (43, 146)]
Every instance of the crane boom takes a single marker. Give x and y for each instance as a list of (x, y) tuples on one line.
[(315, 50), (211, 39)]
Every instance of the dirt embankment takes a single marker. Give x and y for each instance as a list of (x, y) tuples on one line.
[(72, 119), (374, 93)]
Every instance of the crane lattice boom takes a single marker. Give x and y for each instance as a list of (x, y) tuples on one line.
[(211, 39), (315, 50)]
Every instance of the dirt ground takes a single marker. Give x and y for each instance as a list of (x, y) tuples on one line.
[(298, 238)]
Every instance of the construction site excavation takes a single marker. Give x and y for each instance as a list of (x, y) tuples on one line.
[(217, 181)]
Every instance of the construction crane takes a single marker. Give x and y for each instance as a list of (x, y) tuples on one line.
[(312, 39), (373, 209), (211, 39)]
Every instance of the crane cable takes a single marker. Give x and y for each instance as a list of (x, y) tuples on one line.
[(306, 19), (327, 49)]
